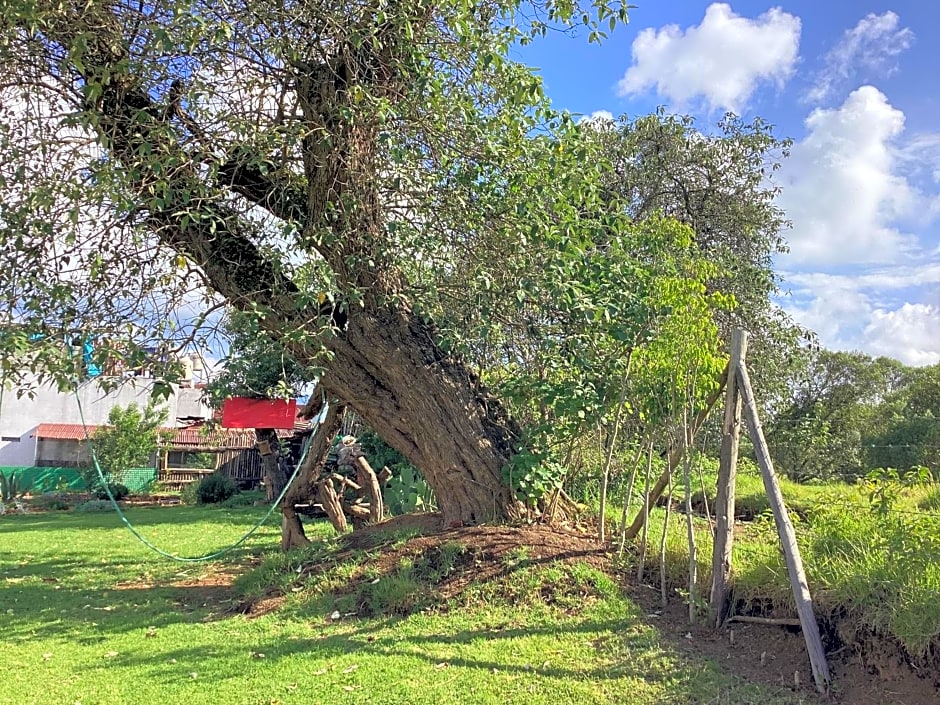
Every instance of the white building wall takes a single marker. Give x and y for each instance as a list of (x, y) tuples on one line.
[(19, 418)]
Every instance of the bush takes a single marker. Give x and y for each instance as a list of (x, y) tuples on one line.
[(52, 501), (188, 495), (94, 505), (118, 491), (243, 499), (216, 488)]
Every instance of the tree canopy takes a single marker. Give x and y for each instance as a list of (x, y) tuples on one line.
[(379, 191)]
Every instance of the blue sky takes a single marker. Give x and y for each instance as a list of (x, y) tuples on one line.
[(855, 85)]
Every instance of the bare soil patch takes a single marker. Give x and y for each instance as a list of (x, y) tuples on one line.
[(867, 672)]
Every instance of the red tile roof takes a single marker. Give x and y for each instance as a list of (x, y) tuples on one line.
[(64, 431), (189, 437)]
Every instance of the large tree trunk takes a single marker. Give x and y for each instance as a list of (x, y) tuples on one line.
[(429, 407), (386, 363), (271, 464)]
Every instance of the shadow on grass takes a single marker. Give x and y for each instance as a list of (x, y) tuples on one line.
[(624, 649), (138, 516), (41, 600)]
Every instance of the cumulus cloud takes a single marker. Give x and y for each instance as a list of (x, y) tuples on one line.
[(843, 188), (598, 116), (720, 61), (871, 48), (910, 333), (867, 311)]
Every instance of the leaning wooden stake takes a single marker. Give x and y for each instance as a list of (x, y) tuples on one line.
[(798, 582), (727, 471)]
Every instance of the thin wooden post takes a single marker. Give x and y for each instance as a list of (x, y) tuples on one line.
[(672, 461), (727, 473), (791, 551)]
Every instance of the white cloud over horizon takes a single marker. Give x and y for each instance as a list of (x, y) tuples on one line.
[(721, 61), (843, 188), (872, 46), (861, 279)]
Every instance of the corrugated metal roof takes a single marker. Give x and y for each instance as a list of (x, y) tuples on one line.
[(197, 436)]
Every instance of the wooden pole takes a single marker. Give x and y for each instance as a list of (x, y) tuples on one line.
[(791, 552), (370, 483), (330, 502), (727, 472), (672, 461)]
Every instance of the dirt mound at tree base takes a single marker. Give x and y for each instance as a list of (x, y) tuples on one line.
[(413, 563), (481, 554)]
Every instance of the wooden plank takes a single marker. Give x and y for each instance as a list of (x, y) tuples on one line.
[(727, 472), (791, 551), (773, 621)]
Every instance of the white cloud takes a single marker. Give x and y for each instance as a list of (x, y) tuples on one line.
[(872, 47), (910, 333), (842, 186), (598, 116), (867, 312), (720, 61)]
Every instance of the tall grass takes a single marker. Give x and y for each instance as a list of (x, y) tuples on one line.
[(872, 562)]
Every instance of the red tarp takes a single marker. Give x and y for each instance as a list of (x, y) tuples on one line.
[(258, 413)]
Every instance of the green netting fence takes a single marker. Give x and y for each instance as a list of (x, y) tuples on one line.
[(40, 480)]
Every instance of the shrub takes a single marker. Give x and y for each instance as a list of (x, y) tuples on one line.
[(118, 491), (53, 501), (189, 494), (930, 501), (127, 441), (243, 499), (216, 488), (94, 505), (13, 486)]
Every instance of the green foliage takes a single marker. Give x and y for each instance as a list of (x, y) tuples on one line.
[(13, 486), (117, 490), (189, 495), (257, 365), (885, 485), (243, 499), (848, 413), (532, 475), (128, 441), (931, 501), (407, 491), (215, 488), (94, 505)]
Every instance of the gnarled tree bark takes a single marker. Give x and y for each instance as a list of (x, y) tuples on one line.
[(385, 362)]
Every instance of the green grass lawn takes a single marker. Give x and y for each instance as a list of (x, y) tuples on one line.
[(91, 616)]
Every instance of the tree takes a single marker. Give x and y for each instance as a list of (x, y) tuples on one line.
[(909, 432), (258, 367), (128, 441), (319, 167), (720, 184), (838, 404)]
